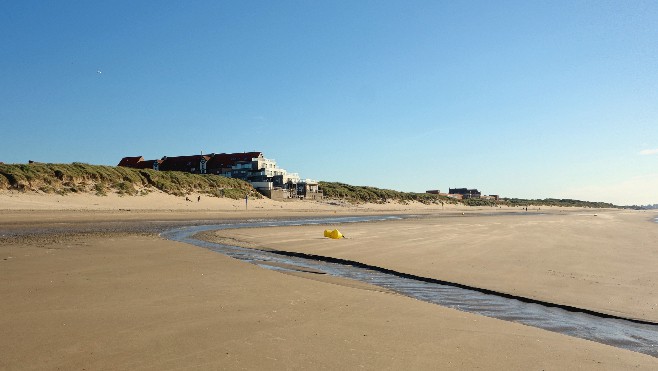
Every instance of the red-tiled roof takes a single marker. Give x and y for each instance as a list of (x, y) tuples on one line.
[(226, 160), (182, 163), (147, 164), (215, 162), (131, 161)]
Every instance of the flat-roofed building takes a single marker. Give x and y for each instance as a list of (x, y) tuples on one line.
[(465, 192)]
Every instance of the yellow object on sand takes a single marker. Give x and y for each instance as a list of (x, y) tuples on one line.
[(335, 234)]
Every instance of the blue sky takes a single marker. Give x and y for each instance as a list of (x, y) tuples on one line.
[(525, 99)]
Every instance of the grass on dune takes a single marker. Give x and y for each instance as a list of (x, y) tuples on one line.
[(101, 180), (335, 190)]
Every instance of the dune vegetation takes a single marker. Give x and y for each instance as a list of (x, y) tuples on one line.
[(350, 193), (101, 180), (519, 202), (335, 190)]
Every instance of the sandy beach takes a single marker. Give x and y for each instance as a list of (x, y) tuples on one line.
[(602, 260), (87, 284)]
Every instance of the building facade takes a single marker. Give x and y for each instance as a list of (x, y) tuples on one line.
[(262, 173), (465, 192)]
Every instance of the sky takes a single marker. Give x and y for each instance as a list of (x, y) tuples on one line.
[(527, 99)]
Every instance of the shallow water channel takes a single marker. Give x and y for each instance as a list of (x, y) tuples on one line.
[(638, 336)]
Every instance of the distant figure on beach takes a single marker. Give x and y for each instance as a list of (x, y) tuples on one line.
[(198, 199), (187, 199)]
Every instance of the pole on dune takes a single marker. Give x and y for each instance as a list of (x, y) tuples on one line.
[(246, 201)]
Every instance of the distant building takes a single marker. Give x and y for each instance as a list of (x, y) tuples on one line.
[(131, 161), (196, 164), (433, 192), (465, 192), (225, 163), (309, 189), (253, 167), (140, 163)]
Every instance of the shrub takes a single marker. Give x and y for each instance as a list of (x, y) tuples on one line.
[(101, 189), (47, 188), (234, 193), (125, 188), (4, 182)]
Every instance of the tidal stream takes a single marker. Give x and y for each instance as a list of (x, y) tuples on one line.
[(635, 335)]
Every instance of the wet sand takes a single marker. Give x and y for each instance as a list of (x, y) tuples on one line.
[(108, 299)]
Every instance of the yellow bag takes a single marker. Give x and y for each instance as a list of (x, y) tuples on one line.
[(335, 234)]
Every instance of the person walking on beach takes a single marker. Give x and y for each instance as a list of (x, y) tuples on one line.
[(198, 199)]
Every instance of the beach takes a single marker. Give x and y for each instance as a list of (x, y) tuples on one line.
[(601, 260), (87, 283)]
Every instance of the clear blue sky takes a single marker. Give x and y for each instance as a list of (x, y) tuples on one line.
[(526, 99)]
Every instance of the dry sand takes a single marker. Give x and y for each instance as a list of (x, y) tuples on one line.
[(14, 200), (604, 260), (116, 300)]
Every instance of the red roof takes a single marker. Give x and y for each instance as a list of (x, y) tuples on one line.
[(131, 161), (182, 163), (215, 162), (226, 160), (147, 164)]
